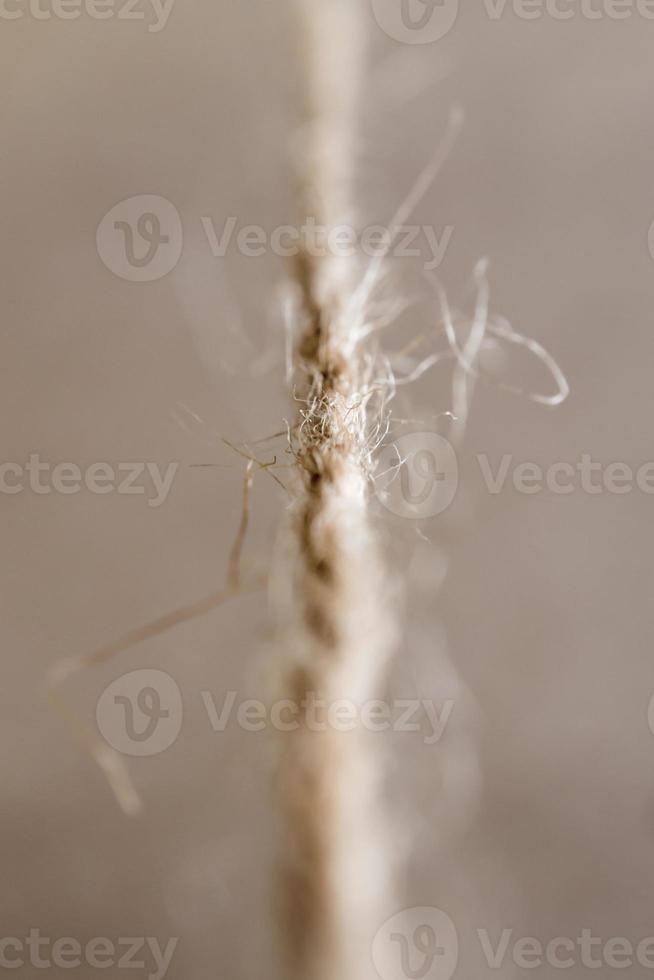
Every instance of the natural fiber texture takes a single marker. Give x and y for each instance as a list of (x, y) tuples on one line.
[(334, 868)]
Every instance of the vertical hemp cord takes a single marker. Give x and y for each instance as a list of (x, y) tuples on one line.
[(334, 867)]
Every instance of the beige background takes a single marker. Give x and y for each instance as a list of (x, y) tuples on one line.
[(535, 811)]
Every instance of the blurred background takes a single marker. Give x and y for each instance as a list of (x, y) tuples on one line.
[(531, 613)]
